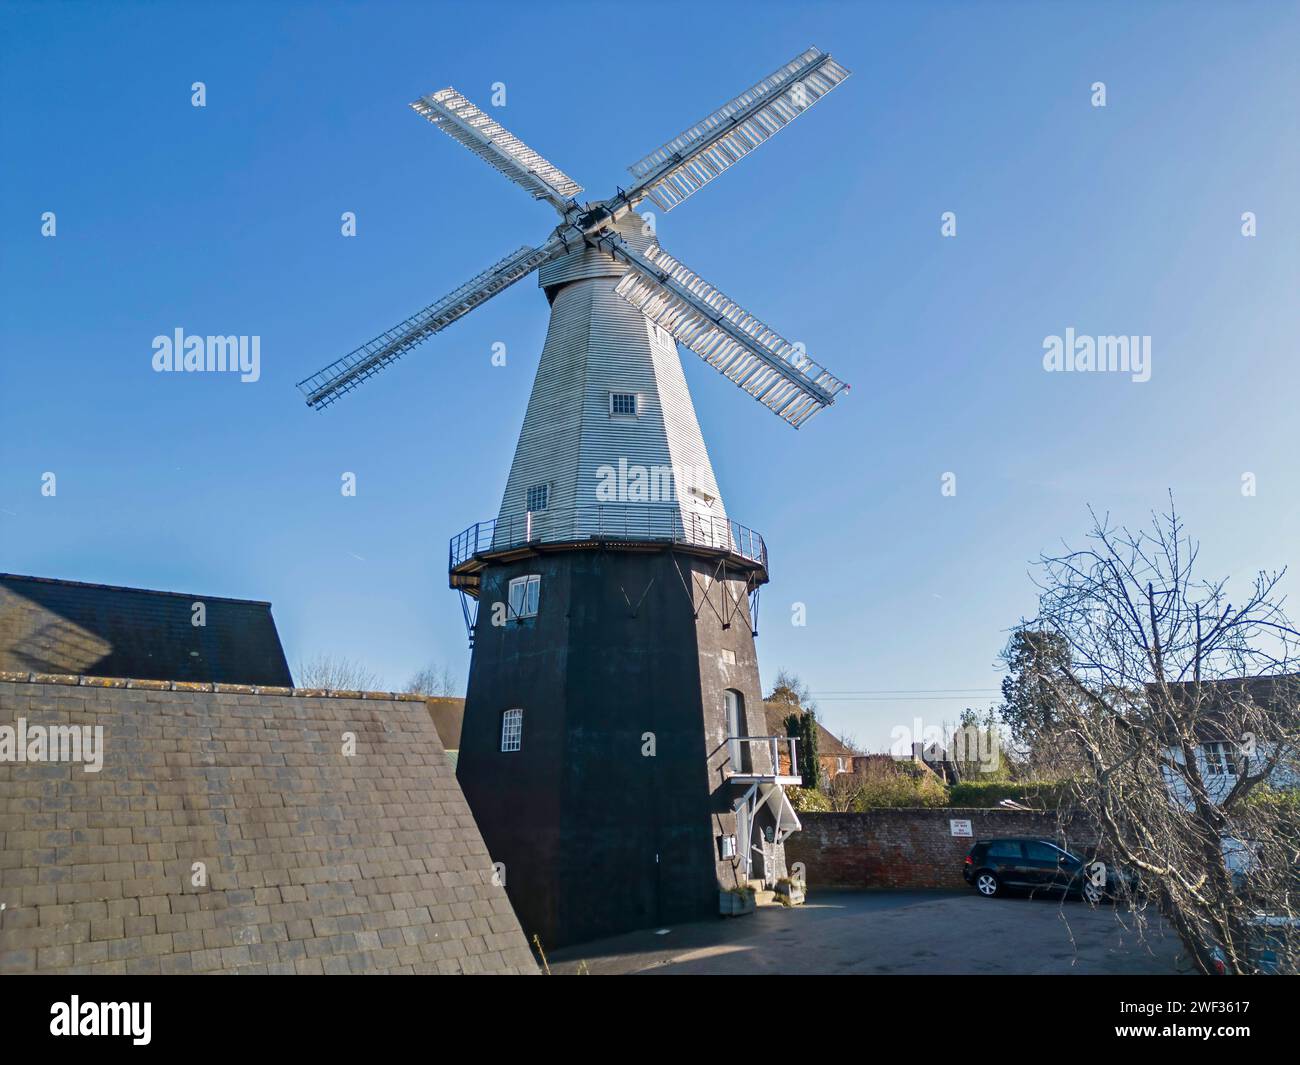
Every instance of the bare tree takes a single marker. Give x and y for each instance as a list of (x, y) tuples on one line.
[(336, 673), (433, 680), (789, 688), (843, 790), (1177, 709)]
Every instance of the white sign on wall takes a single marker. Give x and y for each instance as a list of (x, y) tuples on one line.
[(960, 828)]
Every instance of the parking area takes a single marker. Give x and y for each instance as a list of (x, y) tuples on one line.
[(910, 932)]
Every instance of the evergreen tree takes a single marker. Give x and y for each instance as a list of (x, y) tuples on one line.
[(1034, 659)]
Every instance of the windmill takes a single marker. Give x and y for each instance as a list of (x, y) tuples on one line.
[(621, 598)]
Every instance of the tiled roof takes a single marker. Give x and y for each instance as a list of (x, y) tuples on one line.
[(828, 743), (331, 829), (1222, 701), (70, 627)]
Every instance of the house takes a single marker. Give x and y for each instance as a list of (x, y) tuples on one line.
[(866, 763), (71, 628), (289, 797), (835, 758), (930, 758), (1224, 748), (937, 758)]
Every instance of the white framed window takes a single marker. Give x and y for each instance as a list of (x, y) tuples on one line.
[(512, 730), (737, 751), (1216, 759), (525, 592), (539, 497), (623, 403), (729, 656)]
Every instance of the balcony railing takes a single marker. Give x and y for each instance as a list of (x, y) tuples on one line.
[(737, 754), (617, 521)]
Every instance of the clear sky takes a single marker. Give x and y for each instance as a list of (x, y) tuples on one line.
[(226, 220)]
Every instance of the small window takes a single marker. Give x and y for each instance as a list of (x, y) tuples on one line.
[(729, 656), (524, 595), (1216, 759), (512, 730), (622, 403), (539, 497)]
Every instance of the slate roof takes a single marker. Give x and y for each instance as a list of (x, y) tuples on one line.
[(98, 630), (321, 857)]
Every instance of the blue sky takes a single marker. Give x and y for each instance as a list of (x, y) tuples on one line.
[(225, 219)]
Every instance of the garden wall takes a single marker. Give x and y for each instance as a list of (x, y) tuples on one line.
[(908, 848)]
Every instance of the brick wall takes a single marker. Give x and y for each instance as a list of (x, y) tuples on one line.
[(906, 848), (316, 861)]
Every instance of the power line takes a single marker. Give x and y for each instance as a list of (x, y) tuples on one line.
[(895, 699), (903, 695)]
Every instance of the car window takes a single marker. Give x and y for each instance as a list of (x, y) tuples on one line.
[(1037, 851), (1004, 848)]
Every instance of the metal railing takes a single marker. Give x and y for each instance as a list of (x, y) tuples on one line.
[(773, 746), (619, 521)]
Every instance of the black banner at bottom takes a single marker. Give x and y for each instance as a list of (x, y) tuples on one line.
[(341, 1014)]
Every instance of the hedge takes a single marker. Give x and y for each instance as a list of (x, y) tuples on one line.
[(988, 793)]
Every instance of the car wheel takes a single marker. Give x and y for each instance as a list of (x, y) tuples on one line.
[(1092, 894), (987, 884)]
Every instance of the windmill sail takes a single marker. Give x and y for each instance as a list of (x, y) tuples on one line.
[(759, 360), (498, 147), (688, 162), (343, 376)]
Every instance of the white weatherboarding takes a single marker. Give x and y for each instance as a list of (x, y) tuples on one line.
[(610, 411)]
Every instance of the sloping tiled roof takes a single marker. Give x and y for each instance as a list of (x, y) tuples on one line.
[(319, 858), (828, 743), (1222, 701), (55, 626)]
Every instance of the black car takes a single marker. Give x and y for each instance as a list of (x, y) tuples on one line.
[(1036, 865)]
